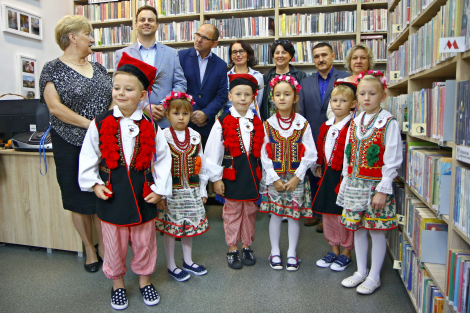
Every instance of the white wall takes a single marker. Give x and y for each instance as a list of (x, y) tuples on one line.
[(43, 50)]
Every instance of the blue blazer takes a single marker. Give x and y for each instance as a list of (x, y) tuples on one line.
[(166, 61), (310, 105), (211, 94)]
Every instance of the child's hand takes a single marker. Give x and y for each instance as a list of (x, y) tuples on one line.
[(204, 200), (219, 188), (153, 198), (292, 183), (100, 191), (162, 205), (378, 201), (279, 185), (317, 172)]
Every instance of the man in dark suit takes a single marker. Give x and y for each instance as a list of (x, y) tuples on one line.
[(206, 76), (314, 98)]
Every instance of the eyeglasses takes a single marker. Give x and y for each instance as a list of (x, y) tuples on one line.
[(277, 42), (199, 36), (241, 51)]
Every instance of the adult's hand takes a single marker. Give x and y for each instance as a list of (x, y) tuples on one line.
[(199, 118), (157, 111)]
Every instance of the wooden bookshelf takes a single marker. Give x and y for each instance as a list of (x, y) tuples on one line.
[(319, 8), (438, 275), (113, 22), (427, 14), (397, 42), (399, 84)]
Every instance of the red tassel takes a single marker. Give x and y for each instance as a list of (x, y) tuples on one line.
[(259, 172), (337, 186), (269, 151), (109, 147), (147, 146), (147, 189), (109, 186), (301, 151), (229, 173)]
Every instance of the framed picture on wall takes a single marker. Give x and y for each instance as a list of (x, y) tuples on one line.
[(21, 22), (28, 83)]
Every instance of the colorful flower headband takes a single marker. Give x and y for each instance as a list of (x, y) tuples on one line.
[(290, 79), (177, 95), (378, 74)]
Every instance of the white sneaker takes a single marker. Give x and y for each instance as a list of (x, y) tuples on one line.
[(364, 290), (353, 281)]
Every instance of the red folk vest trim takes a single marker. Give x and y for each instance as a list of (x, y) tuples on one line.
[(337, 155), (185, 164), (360, 149), (286, 153)]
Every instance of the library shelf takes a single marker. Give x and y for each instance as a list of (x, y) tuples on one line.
[(461, 234), (315, 36), (397, 42), (392, 5), (399, 84), (447, 144), (319, 8), (400, 179), (257, 39), (374, 5), (179, 17), (428, 13), (429, 205), (374, 33), (409, 240), (445, 218), (244, 13), (460, 160), (111, 22), (438, 275), (466, 55), (177, 43), (445, 69), (113, 47)]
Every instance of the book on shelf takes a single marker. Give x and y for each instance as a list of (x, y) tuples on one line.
[(394, 240), (458, 271), (317, 23), (398, 106), (107, 59), (465, 18), (243, 27), (399, 192), (177, 31), (172, 7), (377, 44), (234, 5), (462, 199), (399, 16), (295, 3), (462, 125), (374, 20), (111, 36), (105, 11), (398, 63)]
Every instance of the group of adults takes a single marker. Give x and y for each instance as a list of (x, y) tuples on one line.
[(76, 90)]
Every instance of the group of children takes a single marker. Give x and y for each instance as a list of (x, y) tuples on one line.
[(126, 160)]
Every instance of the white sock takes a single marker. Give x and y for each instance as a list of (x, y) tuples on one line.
[(294, 230), (169, 244), (379, 247), (361, 246), (274, 235), (187, 243)]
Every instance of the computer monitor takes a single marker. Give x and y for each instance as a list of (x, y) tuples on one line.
[(17, 116)]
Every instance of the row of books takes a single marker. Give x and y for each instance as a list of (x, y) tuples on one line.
[(110, 36), (400, 16), (462, 200), (107, 59), (462, 125), (465, 17), (304, 50), (318, 23), (398, 63), (262, 53), (242, 27), (177, 31), (377, 44), (105, 11), (428, 174), (425, 42), (295, 3), (231, 5), (398, 106), (172, 7), (374, 20), (418, 6), (458, 280)]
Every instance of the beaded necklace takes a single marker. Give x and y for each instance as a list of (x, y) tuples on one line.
[(365, 128), (287, 120), (182, 145)]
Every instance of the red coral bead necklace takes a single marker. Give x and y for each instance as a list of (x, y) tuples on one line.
[(182, 145), (286, 120)]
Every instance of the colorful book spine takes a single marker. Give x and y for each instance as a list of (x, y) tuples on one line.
[(399, 16), (105, 11), (292, 3), (317, 23), (172, 7), (221, 5), (243, 27), (378, 46), (398, 63), (374, 20), (107, 59), (111, 36), (177, 31)]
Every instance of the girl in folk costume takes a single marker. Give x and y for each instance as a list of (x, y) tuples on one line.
[(182, 215), (233, 164), (331, 143), (127, 165), (372, 156), (288, 152)]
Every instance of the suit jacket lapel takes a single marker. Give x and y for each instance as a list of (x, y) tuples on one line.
[(316, 89), (158, 56), (134, 51), (194, 62), (207, 74)]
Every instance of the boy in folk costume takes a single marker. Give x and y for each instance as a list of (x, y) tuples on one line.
[(233, 164), (128, 167)]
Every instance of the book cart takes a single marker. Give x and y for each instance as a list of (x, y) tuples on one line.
[(425, 88)]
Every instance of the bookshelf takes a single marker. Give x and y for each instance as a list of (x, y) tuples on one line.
[(275, 12), (454, 67)]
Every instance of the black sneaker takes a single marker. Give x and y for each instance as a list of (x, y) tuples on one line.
[(150, 295), (119, 299), (247, 257), (233, 260)]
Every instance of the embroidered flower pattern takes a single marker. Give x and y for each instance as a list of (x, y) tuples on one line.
[(177, 95)]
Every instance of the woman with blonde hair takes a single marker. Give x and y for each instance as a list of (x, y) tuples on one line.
[(75, 91)]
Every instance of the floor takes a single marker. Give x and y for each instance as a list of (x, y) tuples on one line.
[(35, 281)]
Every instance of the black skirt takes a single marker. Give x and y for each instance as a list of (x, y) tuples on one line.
[(325, 198), (66, 158)]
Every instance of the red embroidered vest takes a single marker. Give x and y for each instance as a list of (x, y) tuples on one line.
[(337, 155)]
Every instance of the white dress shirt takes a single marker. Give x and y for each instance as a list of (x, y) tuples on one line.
[(333, 135), (90, 155)]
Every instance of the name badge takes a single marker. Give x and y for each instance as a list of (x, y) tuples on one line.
[(132, 130), (195, 140), (247, 126), (298, 125), (334, 134)]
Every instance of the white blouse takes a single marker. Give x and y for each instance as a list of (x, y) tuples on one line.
[(332, 136), (197, 140), (90, 155), (393, 155), (214, 153), (308, 160)]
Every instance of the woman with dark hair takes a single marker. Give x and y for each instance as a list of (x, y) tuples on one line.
[(242, 61), (282, 52)]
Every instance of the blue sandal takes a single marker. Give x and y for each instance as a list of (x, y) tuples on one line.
[(275, 265), (292, 267), (199, 270), (181, 276)]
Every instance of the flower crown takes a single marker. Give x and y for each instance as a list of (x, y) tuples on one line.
[(378, 74), (177, 95), (290, 79)]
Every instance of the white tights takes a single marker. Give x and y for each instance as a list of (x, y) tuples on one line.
[(169, 243), (379, 246), (275, 234)]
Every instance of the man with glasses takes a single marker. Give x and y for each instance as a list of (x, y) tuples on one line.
[(206, 76), (164, 58)]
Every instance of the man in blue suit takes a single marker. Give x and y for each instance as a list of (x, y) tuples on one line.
[(206, 75), (314, 98), (164, 58)]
